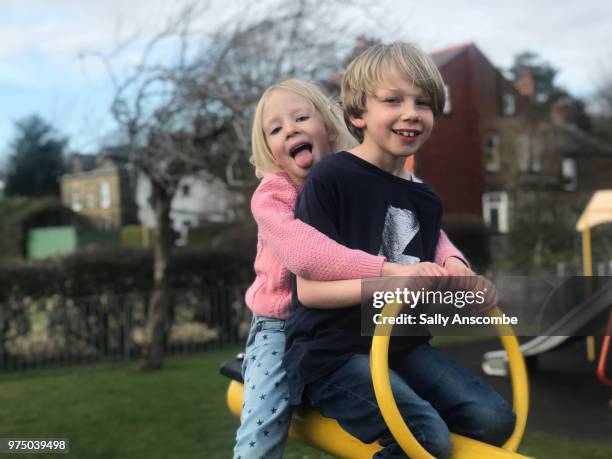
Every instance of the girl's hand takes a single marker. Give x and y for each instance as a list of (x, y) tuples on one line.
[(417, 269)]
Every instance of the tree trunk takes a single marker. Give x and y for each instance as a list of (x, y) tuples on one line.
[(3, 329), (159, 317)]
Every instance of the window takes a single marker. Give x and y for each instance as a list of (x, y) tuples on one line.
[(186, 189), (75, 199), (508, 104), (491, 147), (522, 152), (536, 155), (90, 201), (568, 170), (104, 224), (447, 104), (495, 210), (105, 195)]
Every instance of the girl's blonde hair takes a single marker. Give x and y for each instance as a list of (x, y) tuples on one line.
[(262, 157)]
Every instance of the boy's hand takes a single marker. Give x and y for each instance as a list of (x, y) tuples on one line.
[(455, 267), (491, 298), (465, 279), (417, 276), (475, 284)]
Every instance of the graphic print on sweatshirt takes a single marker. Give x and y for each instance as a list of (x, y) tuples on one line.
[(401, 237)]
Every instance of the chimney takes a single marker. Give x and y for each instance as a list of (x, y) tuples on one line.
[(525, 85)]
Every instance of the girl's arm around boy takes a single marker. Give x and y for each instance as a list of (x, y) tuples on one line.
[(299, 247)]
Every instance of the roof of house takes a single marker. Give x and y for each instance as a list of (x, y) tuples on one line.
[(443, 56), (79, 162), (91, 165), (577, 142), (120, 153)]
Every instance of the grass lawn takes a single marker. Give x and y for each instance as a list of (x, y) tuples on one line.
[(118, 411)]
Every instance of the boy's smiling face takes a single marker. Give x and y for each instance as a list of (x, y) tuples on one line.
[(397, 121), (295, 133)]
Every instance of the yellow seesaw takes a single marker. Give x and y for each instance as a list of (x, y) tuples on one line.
[(308, 426)]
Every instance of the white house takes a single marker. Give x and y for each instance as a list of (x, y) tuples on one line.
[(199, 198)]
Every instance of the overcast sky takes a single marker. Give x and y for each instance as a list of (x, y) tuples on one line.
[(40, 41)]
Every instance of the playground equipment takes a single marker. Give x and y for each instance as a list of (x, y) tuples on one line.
[(598, 211), (308, 426), (564, 330)]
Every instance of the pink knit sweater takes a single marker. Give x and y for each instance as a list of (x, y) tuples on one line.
[(286, 244)]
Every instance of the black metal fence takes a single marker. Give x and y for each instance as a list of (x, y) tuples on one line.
[(600, 268), (58, 331)]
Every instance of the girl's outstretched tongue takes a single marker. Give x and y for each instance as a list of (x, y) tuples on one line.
[(304, 158), (302, 155)]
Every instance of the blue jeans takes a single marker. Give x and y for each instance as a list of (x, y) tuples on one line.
[(266, 413), (434, 393)]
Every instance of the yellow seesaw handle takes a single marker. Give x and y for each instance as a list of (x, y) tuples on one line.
[(462, 447)]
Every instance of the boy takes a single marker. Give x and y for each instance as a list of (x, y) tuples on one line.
[(365, 199)]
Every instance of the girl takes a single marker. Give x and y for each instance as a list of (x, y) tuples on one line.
[(295, 125)]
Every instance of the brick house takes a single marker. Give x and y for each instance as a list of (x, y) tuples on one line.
[(98, 187), (463, 152), (586, 160), (491, 152)]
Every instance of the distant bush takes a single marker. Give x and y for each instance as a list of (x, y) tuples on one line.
[(118, 270), (132, 236), (234, 237)]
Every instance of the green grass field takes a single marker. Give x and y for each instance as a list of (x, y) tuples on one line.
[(118, 411)]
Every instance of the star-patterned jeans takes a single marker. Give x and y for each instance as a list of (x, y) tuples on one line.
[(266, 413), (434, 393)]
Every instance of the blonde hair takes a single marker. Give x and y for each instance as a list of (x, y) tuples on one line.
[(367, 72), (262, 157)]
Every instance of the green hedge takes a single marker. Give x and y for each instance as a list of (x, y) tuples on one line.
[(132, 236), (233, 237), (118, 270)]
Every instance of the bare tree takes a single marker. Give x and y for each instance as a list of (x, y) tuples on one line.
[(603, 103), (190, 110)]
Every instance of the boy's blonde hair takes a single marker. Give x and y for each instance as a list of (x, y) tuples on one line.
[(368, 71), (262, 157)]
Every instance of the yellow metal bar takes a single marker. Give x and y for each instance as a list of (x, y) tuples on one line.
[(587, 254), (462, 447), (587, 271), (590, 342), (520, 382), (379, 364)]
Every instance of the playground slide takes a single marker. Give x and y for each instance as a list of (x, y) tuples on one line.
[(494, 363)]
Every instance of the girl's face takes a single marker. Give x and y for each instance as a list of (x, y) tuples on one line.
[(295, 133)]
